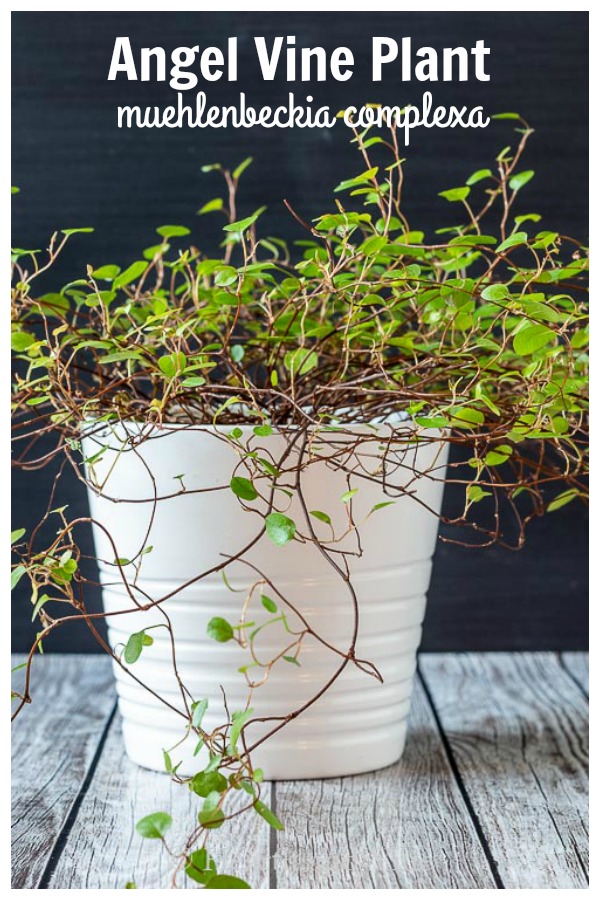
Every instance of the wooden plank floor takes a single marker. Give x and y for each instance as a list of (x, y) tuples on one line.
[(491, 791)]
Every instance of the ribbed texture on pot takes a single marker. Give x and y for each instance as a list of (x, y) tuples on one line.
[(359, 724)]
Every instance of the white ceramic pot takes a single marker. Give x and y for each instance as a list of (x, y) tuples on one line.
[(359, 724)]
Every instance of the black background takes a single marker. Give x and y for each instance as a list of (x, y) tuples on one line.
[(75, 168)]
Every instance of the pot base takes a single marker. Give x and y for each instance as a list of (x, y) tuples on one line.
[(289, 760)]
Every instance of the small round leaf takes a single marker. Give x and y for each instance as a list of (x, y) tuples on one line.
[(204, 783), (268, 604), (219, 630), (243, 488), (280, 528), (155, 825)]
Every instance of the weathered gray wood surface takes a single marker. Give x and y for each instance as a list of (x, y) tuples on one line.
[(517, 728), (491, 791), (402, 827), (577, 666), (53, 746), (105, 851)]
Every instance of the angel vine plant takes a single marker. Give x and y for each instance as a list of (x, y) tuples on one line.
[(477, 335)]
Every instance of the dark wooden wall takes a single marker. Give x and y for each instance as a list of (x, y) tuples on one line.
[(75, 167)]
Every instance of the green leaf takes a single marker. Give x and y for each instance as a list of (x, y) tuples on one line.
[(473, 240), (237, 353), (211, 817), (214, 763), (520, 180), (519, 237), (243, 224), (382, 505), (219, 630), (151, 253), (155, 825), (466, 417), (106, 273), (291, 659), (225, 276), (16, 575), (227, 882), (132, 273), (194, 381), (431, 421), (268, 604), (455, 194), (239, 170), (54, 304), (129, 885), (300, 361), (280, 529), (345, 498), (169, 231), (532, 338), (15, 190), (360, 179), (262, 430), (238, 720), (321, 516), (562, 499), (119, 356), (172, 365), (200, 866), (243, 488), (69, 231), (17, 252), (580, 338), (212, 206), (224, 406), (475, 493), (495, 292), (20, 341), (167, 762), (373, 245), (198, 710), (498, 455), (545, 239), (506, 115), (269, 468), (479, 175), (268, 815), (204, 783), (41, 602), (16, 535), (133, 647), (528, 217)]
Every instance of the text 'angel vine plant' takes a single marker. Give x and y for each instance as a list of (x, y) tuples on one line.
[(477, 333)]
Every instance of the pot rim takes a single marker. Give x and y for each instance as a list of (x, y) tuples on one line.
[(392, 420)]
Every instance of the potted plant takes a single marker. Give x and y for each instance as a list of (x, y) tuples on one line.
[(264, 440)]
